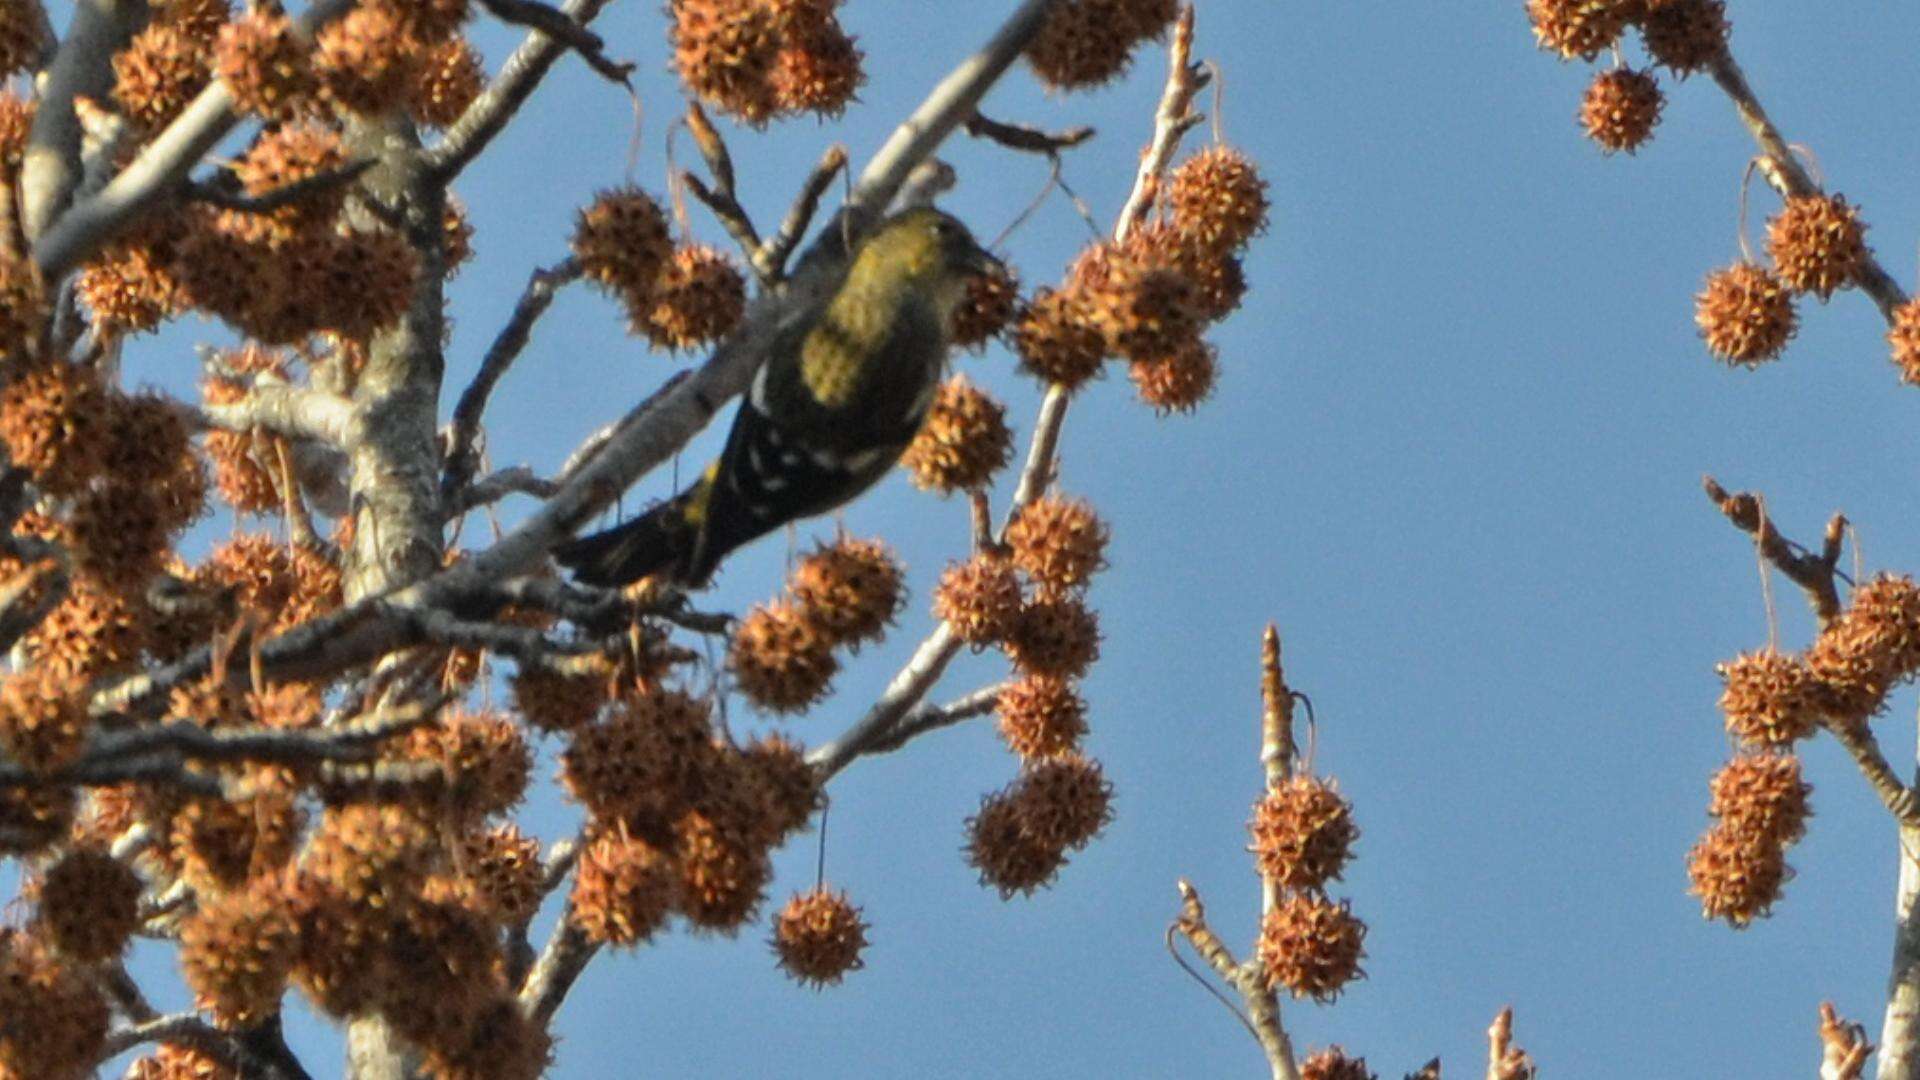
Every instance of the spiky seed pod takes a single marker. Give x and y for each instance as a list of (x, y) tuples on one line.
[(486, 759), (242, 482), (1087, 43), (89, 905), (158, 73), (91, 633), (1008, 857), (456, 237), (1334, 1064), (503, 865), (175, 1061), (1761, 795), (53, 1023), (1582, 28), (1818, 243), (697, 298), (1874, 644), (1903, 341), (849, 590), (16, 122), (368, 275), (503, 1044), (1737, 875), (1311, 947), (786, 786), (1218, 276), (1054, 635), (726, 52), (1745, 314), (1769, 698), (779, 659), (365, 60), (1179, 381), (340, 962), (991, 302), (723, 875), (265, 66), (43, 721), (375, 854), (449, 79), (222, 844), (1141, 309), (1060, 542), (1620, 109), (647, 759), (621, 241), (818, 937), (445, 967), (555, 701), (1041, 716), (120, 533), (146, 439), (54, 422), (33, 817), (227, 267), (287, 706), (212, 702), (1063, 801), (964, 441), (1218, 199), (199, 19), (288, 154), (1057, 341), (259, 570), (316, 586), (817, 71), (1686, 35), (431, 22), (236, 952), (130, 285), (22, 36), (980, 599), (1302, 833)]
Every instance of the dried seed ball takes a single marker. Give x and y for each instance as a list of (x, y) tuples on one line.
[(1219, 198), (162, 69), (1303, 834), (980, 599), (819, 936), (553, 700), (725, 52), (779, 659), (503, 1043), (54, 420), (788, 788), (648, 758), (1769, 698), (147, 438), (365, 60), (89, 905), (1057, 341), (16, 121), (1060, 542), (43, 722), (53, 1023), (1620, 109), (220, 844), (1736, 875), (317, 586), (288, 154), (175, 1061), (265, 66), (22, 36), (1063, 801), (430, 21), (621, 241), (1311, 947), (486, 759), (226, 266), (1761, 795), (1745, 314), (849, 590), (374, 854), (339, 963), (1818, 244), (1140, 308), (723, 874), (1179, 381), (697, 299), (368, 277), (1686, 35), (1041, 716), (1870, 647), (238, 475), (1903, 339), (1334, 1064), (119, 534), (1008, 857), (257, 568), (445, 968), (32, 818), (200, 19), (1582, 28), (1218, 276), (89, 634), (964, 441), (503, 866), (1054, 635), (236, 951), (130, 285), (622, 891), (448, 80), (817, 71), (992, 298), (1085, 43)]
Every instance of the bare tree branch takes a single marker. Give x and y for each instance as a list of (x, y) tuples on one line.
[(771, 260), (299, 412), (1263, 1009), (561, 27), (463, 452), (82, 68)]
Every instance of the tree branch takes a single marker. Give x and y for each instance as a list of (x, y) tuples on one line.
[(1263, 1009), (298, 412)]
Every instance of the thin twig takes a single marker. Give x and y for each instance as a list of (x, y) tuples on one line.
[(771, 260), (1263, 1011), (560, 26), (463, 455), (928, 718), (1026, 139), (1813, 573)]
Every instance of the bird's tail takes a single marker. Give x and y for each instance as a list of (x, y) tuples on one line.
[(658, 541)]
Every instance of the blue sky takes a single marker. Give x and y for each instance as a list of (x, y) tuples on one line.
[(1455, 454)]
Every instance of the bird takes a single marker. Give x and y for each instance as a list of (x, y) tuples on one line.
[(843, 391)]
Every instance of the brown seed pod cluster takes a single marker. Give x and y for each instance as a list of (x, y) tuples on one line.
[(1056, 341), (53, 1022), (1684, 36), (554, 699), (818, 937), (1818, 243), (1303, 834), (265, 66), (1769, 699), (1087, 43), (504, 869), (780, 660), (623, 890), (1620, 109), (450, 76), (980, 599), (131, 285), (1218, 199), (991, 301), (54, 423), (1054, 635), (1736, 874), (648, 758), (1041, 716), (621, 240), (365, 60), (1903, 341), (963, 443), (1060, 543), (1311, 946), (89, 905), (697, 298), (1020, 837), (1745, 314), (849, 589), (1871, 647), (1577, 28), (236, 952), (1141, 308), (761, 60), (162, 69), (43, 721), (1761, 794), (1334, 1063)]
